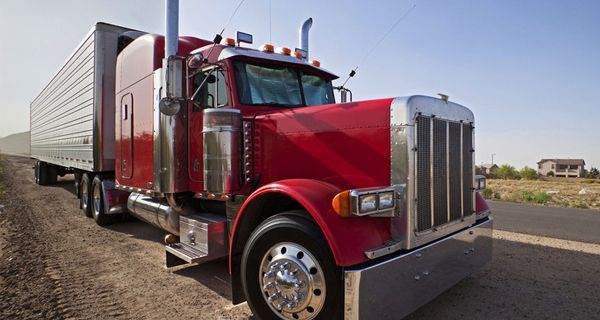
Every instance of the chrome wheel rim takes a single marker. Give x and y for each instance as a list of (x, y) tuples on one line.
[(84, 196), (96, 200), (292, 281)]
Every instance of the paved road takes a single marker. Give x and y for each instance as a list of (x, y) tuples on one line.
[(563, 223)]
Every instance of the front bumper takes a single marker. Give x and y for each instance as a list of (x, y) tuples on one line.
[(395, 287)]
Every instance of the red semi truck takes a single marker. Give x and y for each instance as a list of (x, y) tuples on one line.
[(325, 210)]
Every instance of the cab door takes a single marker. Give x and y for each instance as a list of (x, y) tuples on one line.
[(126, 151)]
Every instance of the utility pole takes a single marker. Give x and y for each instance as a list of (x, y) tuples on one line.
[(493, 154)]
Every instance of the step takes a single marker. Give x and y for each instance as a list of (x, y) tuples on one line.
[(179, 253)]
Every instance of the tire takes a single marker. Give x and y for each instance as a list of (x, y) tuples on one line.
[(85, 195), (97, 197), (287, 257), (45, 173), (36, 172)]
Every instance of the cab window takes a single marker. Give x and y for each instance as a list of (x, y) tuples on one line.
[(213, 93)]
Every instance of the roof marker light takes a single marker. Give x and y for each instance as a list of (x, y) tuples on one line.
[(298, 55), (315, 63), (228, 41), (283, 50), (268, 48)]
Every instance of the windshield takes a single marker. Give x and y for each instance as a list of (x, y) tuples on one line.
[(280, 85)]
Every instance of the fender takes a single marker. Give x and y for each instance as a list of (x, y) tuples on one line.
[(348, 238), (481, 206)]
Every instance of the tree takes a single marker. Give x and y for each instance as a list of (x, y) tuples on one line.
[(528, 173), (506, 171), (594, 173)]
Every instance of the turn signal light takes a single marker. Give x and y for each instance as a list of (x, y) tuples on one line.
[(268, 48), (341, 204), (315, 63)]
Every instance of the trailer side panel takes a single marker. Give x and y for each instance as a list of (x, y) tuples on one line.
[(72, 119)]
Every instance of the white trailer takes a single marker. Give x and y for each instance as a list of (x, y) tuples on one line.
[(72, 119)]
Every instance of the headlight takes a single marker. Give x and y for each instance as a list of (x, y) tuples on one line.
[(379, 202), (386, 200), (367, 203)]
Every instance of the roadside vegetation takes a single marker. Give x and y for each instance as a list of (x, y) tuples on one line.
[(525, 186)]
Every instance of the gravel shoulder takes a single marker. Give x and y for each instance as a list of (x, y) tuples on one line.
[(55, 263)]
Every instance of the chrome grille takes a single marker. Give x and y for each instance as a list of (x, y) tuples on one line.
[(444, 172)]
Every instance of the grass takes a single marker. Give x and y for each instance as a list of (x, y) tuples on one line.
[(584, 193)]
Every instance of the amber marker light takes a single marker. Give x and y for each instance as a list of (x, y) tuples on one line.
[(268, 48), (341, 204), (283, 50), (315, 63), (228, 41), (298, 55)]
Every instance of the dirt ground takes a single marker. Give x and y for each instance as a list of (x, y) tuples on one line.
[(55, 263)]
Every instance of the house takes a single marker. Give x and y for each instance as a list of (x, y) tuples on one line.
[(489, 168), (568, 168)]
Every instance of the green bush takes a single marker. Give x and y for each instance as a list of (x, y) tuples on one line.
[(541, 197), (497, 195), (593, 173), (487, 193), (527, 196), (581, 205), (506, 171), (528, 173), (520, 196)]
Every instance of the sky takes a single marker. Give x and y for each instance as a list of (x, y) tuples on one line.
[(529, 70)]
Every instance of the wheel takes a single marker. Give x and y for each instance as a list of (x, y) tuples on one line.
[(85, 196), (36, 172), (98, 214), (41, 169), (288, 271), (45, 173)]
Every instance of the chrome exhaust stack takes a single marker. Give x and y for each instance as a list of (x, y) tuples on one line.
[(303, 36), (154, 211), (170, 126)]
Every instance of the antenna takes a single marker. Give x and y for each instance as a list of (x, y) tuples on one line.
[(353, 71), (270, 28), (219, 35)]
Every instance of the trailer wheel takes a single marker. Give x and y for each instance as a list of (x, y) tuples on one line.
[(85, 198), (288, 271), (97, 204), (44, 173)]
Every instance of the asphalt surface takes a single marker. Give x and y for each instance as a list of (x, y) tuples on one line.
[(562, 223)]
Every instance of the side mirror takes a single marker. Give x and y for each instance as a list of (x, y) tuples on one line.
[(195, 61), (170, 103)]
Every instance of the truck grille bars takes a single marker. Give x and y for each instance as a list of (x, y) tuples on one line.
[(444, 172)]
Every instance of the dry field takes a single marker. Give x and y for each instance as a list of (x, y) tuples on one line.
[(571, 194)]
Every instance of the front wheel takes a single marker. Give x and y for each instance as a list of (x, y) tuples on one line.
[(288, 271)]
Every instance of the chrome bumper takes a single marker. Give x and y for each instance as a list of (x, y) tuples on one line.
[(393, 288)]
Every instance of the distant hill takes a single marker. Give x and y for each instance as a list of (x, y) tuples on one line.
[(17, 143)]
